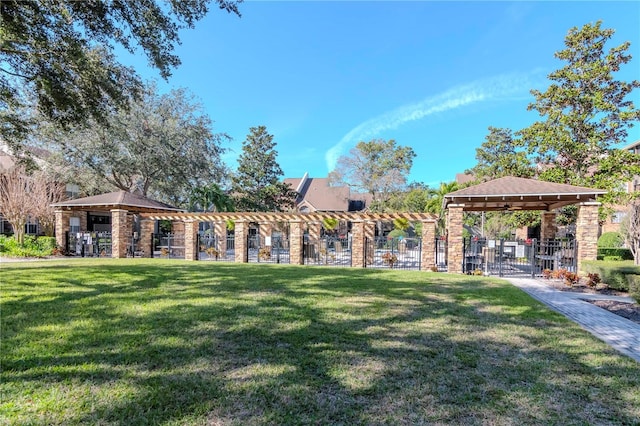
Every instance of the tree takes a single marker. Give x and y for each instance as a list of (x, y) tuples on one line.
[(256, 186), (16, 200), (46, 190), (586, 114), (501, 155), (631, 230), (210, 198), (57, 57), (162, 147), (377, 167), (434, 205)]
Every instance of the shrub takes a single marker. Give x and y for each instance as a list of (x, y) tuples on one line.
[(610, 240), (571, 278), (32, 247), (612, 273), (546, 273), (634, 286), (623, 253), (612, 258), (593, 279)]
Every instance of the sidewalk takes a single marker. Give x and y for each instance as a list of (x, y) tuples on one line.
[(622, 334)]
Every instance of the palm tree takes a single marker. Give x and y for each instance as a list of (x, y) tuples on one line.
[(434, 205), (210, 198)]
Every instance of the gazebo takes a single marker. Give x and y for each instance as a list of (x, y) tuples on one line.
[(514, 193), (112, 212)]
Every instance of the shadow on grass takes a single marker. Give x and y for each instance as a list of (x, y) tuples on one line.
[(155, 342)]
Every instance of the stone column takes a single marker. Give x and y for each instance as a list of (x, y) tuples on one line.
[(548, 226), (587, 232), (191, 240), (369, 239), (296, 242), (62, 227), (177, 227), (120, 233), (428, 254), (220, 231), (84, 226), (241, 232), (455, 239), (146, 235), (357, 244)]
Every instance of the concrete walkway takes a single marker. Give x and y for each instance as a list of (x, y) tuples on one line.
[(621, 333)]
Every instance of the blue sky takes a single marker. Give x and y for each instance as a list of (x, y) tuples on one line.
[(322, 76)]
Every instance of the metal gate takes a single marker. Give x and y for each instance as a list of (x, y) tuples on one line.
[(170, 246), (88, 244), (262, 249), (518, 257), (396, 253), (213, 247), (327, 251), (441, 253)]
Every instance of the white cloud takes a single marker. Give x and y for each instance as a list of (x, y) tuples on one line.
[(500, 87)]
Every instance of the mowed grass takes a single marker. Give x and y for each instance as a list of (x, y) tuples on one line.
[(172, 342)]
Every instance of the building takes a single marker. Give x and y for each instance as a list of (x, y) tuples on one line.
[(317, 195)]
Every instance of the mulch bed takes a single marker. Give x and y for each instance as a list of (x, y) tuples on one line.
[(630, 311)]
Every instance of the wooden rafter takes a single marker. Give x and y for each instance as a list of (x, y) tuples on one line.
[(288, 217)]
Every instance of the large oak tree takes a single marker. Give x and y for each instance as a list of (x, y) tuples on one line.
[(57, 57)]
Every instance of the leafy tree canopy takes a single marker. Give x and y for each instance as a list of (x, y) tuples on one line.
[(57, 57), (256, 186), (586, 114), (377, 167), (162, 146), (501, 155)]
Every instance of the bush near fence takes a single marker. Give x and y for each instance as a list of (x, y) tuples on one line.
[(614, 253), (32, 247), (634, 286), (614, 274)]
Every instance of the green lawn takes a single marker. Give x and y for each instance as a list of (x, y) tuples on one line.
[(174, 342)]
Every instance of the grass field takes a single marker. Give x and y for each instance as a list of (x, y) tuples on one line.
[(172, 342)]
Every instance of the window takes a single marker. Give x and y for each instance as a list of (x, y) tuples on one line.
[(74, 224), (617, 217)]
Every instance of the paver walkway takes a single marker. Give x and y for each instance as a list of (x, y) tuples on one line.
[(621, 333)]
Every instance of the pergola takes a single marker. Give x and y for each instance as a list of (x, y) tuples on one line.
[(513, 194)]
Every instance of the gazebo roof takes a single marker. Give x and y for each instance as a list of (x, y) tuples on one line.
[(514, 193), (115, 200)]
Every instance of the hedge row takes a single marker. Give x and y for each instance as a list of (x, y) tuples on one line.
[(32, 247), (634, 286), (614, 274), (610, 253)]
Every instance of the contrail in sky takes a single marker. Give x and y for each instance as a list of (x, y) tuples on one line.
[(494, 88)]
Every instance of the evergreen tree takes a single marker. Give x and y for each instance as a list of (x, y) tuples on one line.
[(256, 186)]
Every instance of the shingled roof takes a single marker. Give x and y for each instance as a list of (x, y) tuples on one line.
[(514, 193), (118, 200)]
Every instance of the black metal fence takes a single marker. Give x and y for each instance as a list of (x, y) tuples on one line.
[(327, 251), (169, 246), (262, 249), (88, 244), (397, 253), (441, 253), (212, 247), (518, 257)]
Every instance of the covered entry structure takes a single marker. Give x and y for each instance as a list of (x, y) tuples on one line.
[(514, 194)]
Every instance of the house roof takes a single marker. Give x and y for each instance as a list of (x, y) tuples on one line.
[(119, 199), (319, 195), (515, 193)]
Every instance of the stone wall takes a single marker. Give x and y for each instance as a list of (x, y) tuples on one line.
[(62, 227), (220, 230), (146, 234), (121, 226), (548, 227), (191, 240), (428, 254), (241, 232), (587, 227), (455, 239), (296, 242)]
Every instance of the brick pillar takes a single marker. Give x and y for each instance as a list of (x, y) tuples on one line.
[(296, 234), (220, 231), (62, 227), (241, 232), (177, 227), (83, 220), (146, 234), (455, 243), (522, 233), (428, 254), (191, 240), (587, 232), (357, 245), (548, 226), (120, 233), (315, 229)]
